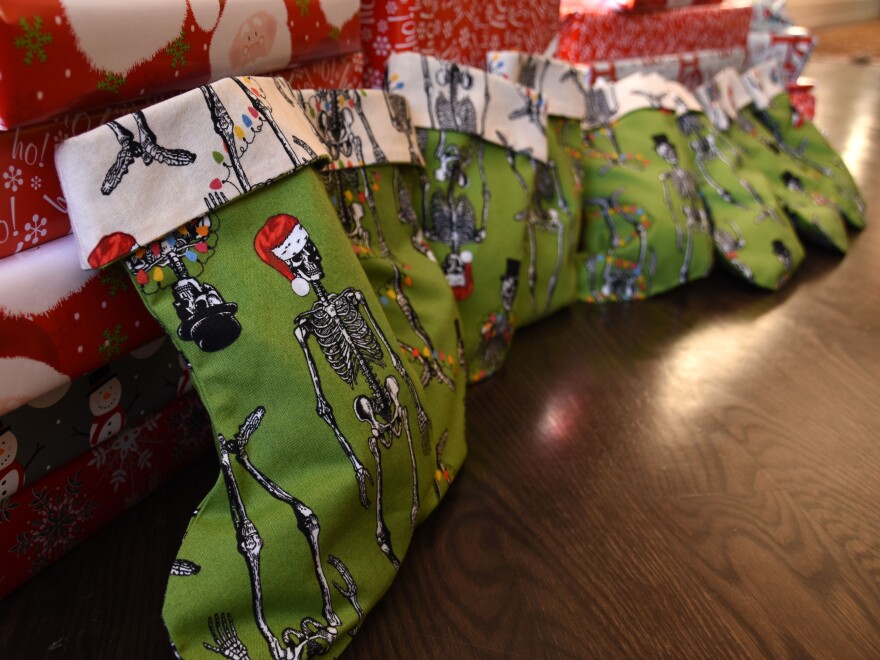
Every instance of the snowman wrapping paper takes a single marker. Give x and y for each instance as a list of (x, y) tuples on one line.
[(91, 411), (50, 516), (59, 322), (329, 445), (74, 54)]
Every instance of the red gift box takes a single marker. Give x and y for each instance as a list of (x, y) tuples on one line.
[(573, 6), (588, 37), (62, 55), (463, 31), (42, 522)]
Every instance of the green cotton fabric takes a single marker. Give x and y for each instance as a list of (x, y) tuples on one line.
[(753, 236), (473, 204), (324, 486), (798, 189), (375, 208), (549, 275), (800, 138), (647, 230)]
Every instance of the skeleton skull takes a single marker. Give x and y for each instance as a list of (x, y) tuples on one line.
[(301, 255)]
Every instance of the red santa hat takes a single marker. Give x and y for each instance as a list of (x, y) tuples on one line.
[(281, 238)]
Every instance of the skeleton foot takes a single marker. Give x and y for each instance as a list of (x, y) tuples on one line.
[(312, 639), (350, 591)]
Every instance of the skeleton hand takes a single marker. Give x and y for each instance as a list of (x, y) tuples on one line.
[(229, 645)]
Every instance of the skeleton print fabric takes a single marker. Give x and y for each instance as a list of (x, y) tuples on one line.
[(799, 137), (180, 158), (806, 195), (553, 222), (374, 203), (647, 227), (753, 236), (481, 136), (332, 446)]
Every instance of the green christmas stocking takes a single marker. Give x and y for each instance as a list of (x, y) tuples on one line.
[(321, 426), (797, 188), (374, 205), (481, 136), (799, 137), (647, 229), (753, 236), (553, 228)]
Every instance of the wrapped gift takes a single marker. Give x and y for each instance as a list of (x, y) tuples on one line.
[(800, 93), (462, 32), (58, 322), (74, 54), (792, 45), (573, 6), (346, 71), (45, 520), (598, 36), (52, 430), (689, 69)]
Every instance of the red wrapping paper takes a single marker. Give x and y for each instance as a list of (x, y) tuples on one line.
[(58, 322), (572, 6), (460, 30), (47, 519), (32, 206), (588, 37), (65, 55), (792, 46)]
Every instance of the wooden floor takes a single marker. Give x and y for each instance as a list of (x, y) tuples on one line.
[(694, 476)]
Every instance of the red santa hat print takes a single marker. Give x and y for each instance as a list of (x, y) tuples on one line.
[(281, 239)]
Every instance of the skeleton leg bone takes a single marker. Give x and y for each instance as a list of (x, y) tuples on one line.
[(325, 412), (364, 411)]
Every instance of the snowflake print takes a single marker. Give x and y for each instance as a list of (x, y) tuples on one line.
[(58, 525), (114, 279), (382, 26), (374, 78), (35, 229), (382, 46), (392, 7), (122, 456), (12, 178), (33, 40), (111, 82), (178, 49), (36, 182), (464, 37), (367, 34), (447, 30), (113, 342)]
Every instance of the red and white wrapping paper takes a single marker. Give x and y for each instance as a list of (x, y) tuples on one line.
[(572, 6), (47, 519), (59, 322), (792, 46), (463, 31), (607, 36), (62, 55), (689, 69)]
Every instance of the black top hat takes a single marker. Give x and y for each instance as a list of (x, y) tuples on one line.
[(512, 269), (99, 377), (779, 248), (659, 139), (788, 177)]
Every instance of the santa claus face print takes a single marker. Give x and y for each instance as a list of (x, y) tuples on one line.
[(254, 39), (106, 397), (8, 448)]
